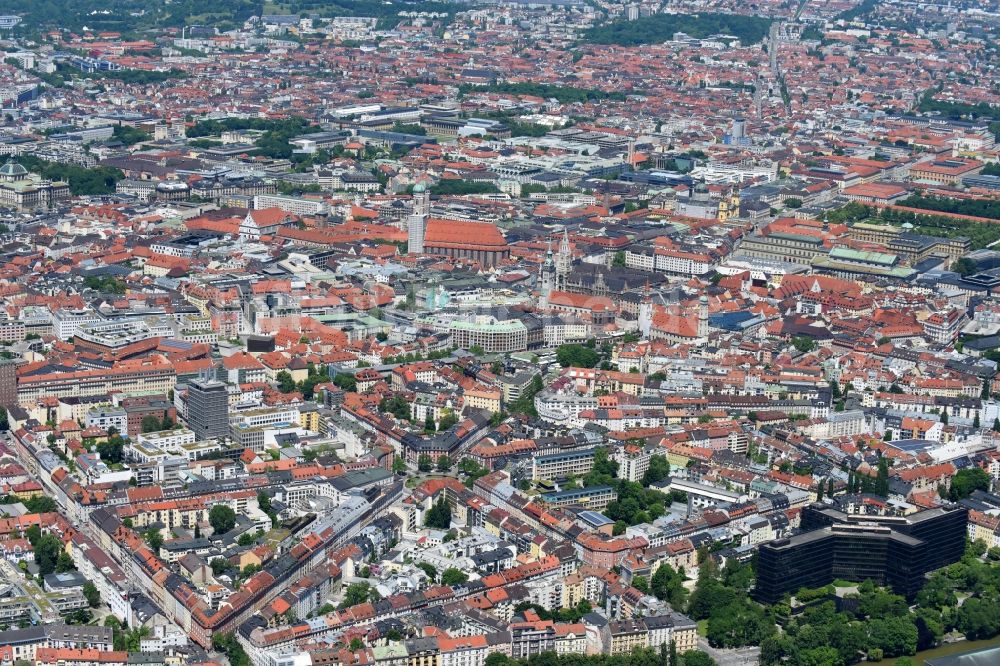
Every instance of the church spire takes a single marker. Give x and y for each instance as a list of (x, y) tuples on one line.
[(564, 261)]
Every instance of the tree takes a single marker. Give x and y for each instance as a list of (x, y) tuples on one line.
[(285, 382), (461, 187), (453, 576), (428, 569), (347, 382), (91, 594), (698, 658), (222, 518), (150, 423), (264, 501), (425, 463), (577, 356), (79, 616), (429, 425), (47, 550), (448, 420), (659, 469), (604, 470), (472, 470), (356, 593), (4, 419), (966, 481), (40, 504), (979, 618), (397, 406), (525, 404), (930, 627), (443, 463), (667, 585), (112, 450), (130, 136), (709, 592), (803, 343), (153, 539), (739, 623), (398, 465), (650, 29), (835, 391), (220, 565), (439, 515), (498, 659), (882, 479), (227, 644), (895, 636), (64, 563)]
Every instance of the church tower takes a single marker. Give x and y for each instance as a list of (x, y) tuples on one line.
[(646, 314), (703, 317), (416, 223), (546, 278), (564, 262)]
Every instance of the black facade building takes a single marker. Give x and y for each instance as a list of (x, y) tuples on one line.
[(892, 551), (8, 382)]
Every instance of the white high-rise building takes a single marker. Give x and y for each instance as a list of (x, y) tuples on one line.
[(416, 223)]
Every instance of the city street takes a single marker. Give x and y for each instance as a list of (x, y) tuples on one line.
[(740, 657)]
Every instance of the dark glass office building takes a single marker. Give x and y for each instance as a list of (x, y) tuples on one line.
[(208, 408), (893, 551)]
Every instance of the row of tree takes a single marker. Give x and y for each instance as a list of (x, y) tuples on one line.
[(980, 234), (659, 28), (666, 655), (975, 207), (564, 94), (426, 463), (82, 181)]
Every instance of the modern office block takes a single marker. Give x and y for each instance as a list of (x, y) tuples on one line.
[(208, 408), (892, 551)]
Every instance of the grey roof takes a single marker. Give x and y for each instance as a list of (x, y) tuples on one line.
[(13, 170), (985, 657)]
